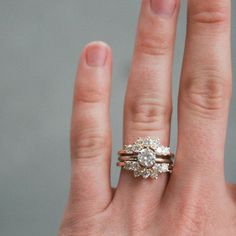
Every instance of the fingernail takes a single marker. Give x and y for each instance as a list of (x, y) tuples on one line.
[(165, 7), (96, 54)]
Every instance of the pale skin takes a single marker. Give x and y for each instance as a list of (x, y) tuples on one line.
[(195, 199)]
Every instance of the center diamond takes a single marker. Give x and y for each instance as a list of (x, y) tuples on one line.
[(146, 157)]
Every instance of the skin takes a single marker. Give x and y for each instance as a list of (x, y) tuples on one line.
[(195, 199)]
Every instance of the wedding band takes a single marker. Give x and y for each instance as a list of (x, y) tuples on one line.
[(134, 158), (133, 154), (122, 164), (147, 158), (163, 153)]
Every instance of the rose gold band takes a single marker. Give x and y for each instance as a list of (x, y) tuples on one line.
[(122, 164), (123, 153), (134, 158)]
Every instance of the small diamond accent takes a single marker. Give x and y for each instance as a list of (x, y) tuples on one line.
[(166, 151), (139, 141), (155, 144), (136, 166), (158, 150), (162, 168), (137, 148), (137, 174), (128, 148), (145, 173), (154, 174), (147, 142)]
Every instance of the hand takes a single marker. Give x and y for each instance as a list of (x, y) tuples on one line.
[(195, 200)]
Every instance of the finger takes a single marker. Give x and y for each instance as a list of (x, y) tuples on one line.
[(232, 191), (90, 131), (148, 98), (205, 93)]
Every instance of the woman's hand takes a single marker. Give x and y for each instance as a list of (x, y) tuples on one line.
[(195, 200)]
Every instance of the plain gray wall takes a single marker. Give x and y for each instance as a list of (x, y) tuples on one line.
[(40, 43)]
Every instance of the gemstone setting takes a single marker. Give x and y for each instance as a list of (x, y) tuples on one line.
[(146, 158), (147, 142), (147, 151)]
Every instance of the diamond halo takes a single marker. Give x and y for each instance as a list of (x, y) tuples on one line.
[(147, 142), (145, 165), (152, 172)]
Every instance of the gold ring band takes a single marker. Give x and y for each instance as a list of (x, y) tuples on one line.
[(123, 153), (122, 164), (134, 158)]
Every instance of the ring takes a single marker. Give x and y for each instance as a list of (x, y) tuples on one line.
[(147, 158), (136, 158)]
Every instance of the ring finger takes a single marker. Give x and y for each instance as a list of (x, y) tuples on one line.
[(148, 98)]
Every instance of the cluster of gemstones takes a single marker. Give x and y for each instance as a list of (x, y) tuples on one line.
[(152, 172), (153, 144), (147, 149)]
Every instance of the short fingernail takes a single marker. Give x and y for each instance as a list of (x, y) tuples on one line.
[(96, 54), (165, 7)]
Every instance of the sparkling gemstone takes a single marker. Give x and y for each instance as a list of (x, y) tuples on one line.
[(137, 174), (127, 165), (146, 173), (137, 148), (154, 144), (161, 168), (139, 141), (135, 166), (154, 174), (166, 151), (159, 151), (128, 148), (146, 157), (147, 142)]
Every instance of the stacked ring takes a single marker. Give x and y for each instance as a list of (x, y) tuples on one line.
[(147, 158)]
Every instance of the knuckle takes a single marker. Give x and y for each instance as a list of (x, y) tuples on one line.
[(195, 214), (152, 44), (77, 225), (148, 112), (211, 17), (90, 94), (193, 225), (90, 145), (141, 221), (206, 92)]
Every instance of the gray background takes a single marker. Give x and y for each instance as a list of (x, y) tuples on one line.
[(40, 42)]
